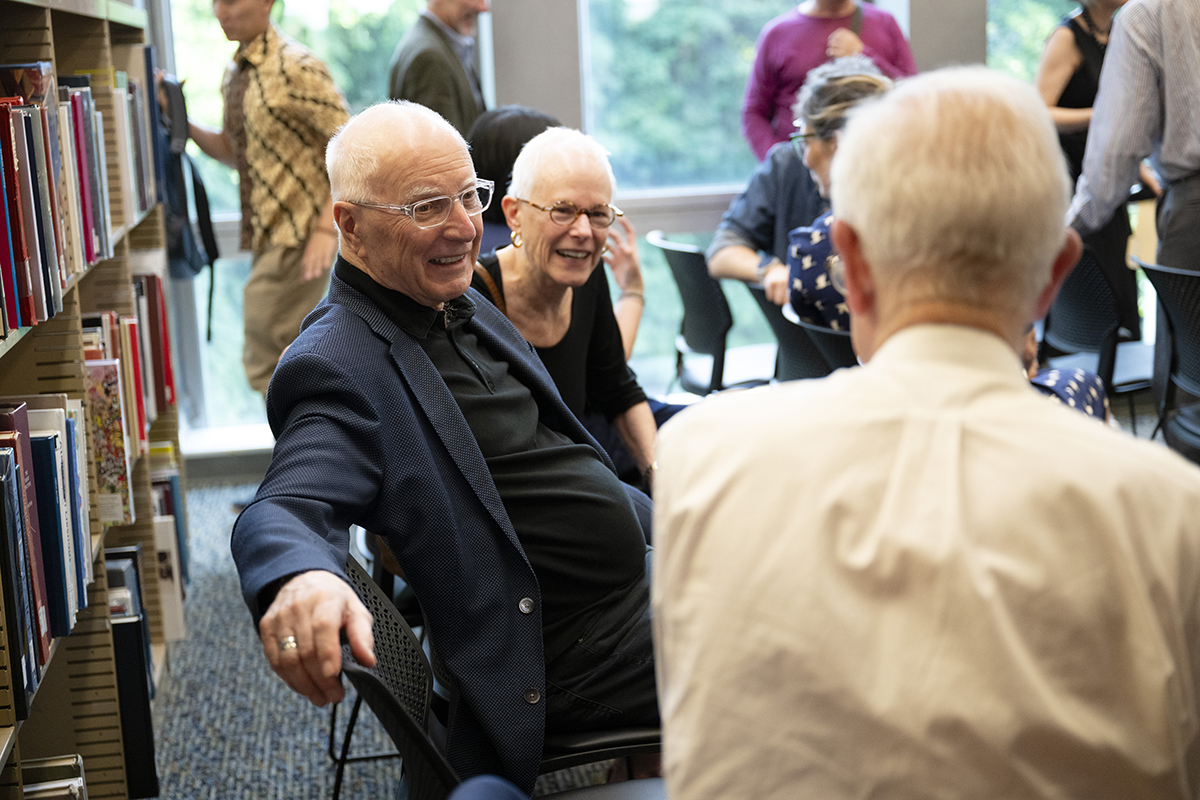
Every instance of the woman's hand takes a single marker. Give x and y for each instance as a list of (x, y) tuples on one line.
[(622, 257), (843, 42)]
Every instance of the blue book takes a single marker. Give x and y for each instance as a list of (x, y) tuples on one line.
[(55, 556), (83, 548), (14, 578)]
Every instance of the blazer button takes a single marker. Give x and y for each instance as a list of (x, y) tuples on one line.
[(532, 696), (526, 605)]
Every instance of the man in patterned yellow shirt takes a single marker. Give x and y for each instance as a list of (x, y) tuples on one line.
[(281, 108)]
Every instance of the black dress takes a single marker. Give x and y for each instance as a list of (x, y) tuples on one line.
[(1107, 245)]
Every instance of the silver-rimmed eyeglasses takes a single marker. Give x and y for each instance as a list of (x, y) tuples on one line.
[(565, 214), (434, 211)]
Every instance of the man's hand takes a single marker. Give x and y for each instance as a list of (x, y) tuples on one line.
[(843, 42), (318, 253), (775, 283), (300, 634)]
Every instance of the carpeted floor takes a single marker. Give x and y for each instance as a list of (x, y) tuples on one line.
[(226, 728)]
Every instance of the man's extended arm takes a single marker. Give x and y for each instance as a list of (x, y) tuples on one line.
[(1126, 125)]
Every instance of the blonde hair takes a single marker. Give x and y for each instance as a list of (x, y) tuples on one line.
[(956, 186), (832, 89)]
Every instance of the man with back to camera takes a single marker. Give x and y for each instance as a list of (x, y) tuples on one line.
[(433, 63), (409, 405), (937, 583)]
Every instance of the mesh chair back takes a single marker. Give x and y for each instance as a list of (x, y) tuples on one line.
[(834, 345), (1084, 314), (706, 315), (798, 357), (1179, 293), (398, 689)]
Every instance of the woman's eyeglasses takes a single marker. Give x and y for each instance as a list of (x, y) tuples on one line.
[(565, 214)]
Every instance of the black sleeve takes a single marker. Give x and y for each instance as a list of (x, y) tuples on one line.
[(612, 388)]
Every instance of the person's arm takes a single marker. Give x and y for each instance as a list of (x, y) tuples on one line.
[(758, 106), (622, 259), (1126, 124), (747, 229), (213, 143), (293, 534), (1060, 60), (322, 245), (637, 430)]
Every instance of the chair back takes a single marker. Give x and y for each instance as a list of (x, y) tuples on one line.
[(835, 346), (706, 315), (1085, 318), (1179, 296), (798, 356), (398, 690)]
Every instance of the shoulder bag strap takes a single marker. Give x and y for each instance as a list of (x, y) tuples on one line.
[(493, 289), (856, 20)]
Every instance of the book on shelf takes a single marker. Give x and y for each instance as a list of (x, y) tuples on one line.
[(14, 200), (156, 334), (8, 275), (89, 133), (111, 444), (58, 547), (142, 156), (56, 415), (15, 581), (71, 197), (154, 115), (14, 433), (131, 375), (149, 371), (44, 200), (124, 150), (22, 125), (170, 579), (168, 500), (56, 778), (78, 100), (73, 427), (35, 83)]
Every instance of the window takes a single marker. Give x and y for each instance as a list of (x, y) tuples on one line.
[(663, 87), (1017, 31)]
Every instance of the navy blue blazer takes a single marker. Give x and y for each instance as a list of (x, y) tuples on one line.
[(367, 433)]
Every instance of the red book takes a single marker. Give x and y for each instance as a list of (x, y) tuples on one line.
[(82, 165), (14, 420), (132, 364), (16, 213)]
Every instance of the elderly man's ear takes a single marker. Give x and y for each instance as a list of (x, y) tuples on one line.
[(1064, 262), (346, 219), (860, 284)]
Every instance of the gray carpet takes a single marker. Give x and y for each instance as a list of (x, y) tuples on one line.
[(226, 727)]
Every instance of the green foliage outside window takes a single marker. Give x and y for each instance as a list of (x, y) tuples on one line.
[(1017, 31)]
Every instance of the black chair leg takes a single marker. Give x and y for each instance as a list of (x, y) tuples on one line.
[(341, 762), (1132, 413)]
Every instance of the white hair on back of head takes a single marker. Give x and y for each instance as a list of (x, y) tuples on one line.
[(554, 141), (352, 157), (956, 186)]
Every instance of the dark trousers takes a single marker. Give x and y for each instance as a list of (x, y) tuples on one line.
[(605, 679)]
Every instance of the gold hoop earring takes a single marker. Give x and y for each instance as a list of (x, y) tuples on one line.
[(604, 249), (516, 238)]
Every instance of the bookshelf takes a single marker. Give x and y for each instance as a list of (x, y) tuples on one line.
[(76, 706)]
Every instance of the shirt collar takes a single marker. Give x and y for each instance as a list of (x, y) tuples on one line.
[(462, 44), (960, 345), (409, 315), (255, 51)]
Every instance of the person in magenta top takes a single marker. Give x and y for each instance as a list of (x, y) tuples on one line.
[(805, 37)]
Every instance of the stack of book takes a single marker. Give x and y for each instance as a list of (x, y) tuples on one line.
[(55, 210), (58, 778), (46, 544)]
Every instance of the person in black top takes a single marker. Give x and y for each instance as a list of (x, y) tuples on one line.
[(1068, 78), (550, 283)]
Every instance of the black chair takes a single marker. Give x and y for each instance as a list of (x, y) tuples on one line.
[(1082, 328), (706, 323), (399, 690), (834, 345), (1179, 301), (798, 356)]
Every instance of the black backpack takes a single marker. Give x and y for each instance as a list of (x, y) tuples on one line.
[(185, 257)]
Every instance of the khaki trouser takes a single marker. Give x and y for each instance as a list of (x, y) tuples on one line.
[(275, 302)]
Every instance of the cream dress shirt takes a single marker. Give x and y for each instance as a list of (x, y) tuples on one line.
[(920, 579)]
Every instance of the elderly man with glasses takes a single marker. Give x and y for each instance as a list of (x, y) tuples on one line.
[(410, 405)]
